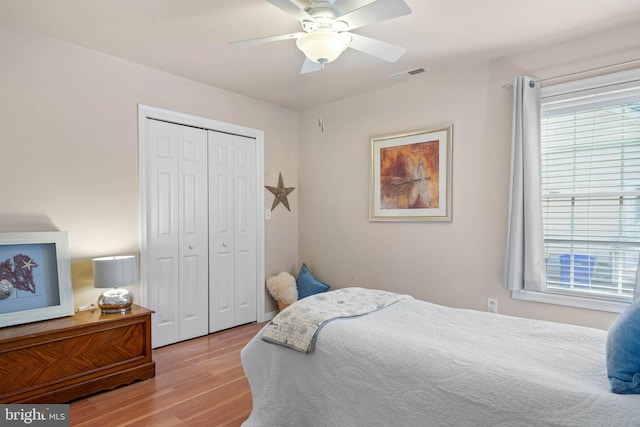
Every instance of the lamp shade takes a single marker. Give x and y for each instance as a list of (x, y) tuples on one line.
[(323, 46), (114, 271)]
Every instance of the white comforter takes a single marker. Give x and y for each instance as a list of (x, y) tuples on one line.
[(420, 364)]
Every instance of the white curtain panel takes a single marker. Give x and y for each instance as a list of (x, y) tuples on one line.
[(524, 260)]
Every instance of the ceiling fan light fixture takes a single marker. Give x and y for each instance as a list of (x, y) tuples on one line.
[(323, 46)]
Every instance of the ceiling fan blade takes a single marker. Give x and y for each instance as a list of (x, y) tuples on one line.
[(383, 50), (379, 10), (270, 39), (310, 66), (292, 9)]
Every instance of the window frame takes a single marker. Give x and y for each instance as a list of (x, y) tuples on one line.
[(609, 303), (550, 296)]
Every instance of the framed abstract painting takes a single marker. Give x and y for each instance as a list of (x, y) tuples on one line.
[(411, 176)]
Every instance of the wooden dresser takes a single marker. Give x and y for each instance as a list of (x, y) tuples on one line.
[(59, 360)]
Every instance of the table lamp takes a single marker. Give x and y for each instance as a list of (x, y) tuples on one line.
[(114, 272)]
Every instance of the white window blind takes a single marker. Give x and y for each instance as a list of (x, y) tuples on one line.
[(590, 157)]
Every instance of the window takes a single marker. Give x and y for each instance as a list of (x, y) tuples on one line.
[(590, 182)]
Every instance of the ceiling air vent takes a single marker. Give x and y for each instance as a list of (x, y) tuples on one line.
[(404, 74)]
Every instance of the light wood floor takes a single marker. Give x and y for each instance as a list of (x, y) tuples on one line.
[(199, 382)]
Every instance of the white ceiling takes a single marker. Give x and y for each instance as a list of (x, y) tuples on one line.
[(190, 38)]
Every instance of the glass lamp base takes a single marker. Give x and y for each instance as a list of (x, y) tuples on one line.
[(115, 301)]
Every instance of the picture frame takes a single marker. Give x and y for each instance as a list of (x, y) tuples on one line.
[(35, 277), (411, 175)]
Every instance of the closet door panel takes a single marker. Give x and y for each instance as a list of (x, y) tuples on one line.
[(221, 232), (245, 230), (162, 230), (193, 233), (177, 235)]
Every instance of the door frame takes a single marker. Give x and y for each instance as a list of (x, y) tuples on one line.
[(147, 112)]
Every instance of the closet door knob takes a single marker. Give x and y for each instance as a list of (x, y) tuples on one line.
[(190, 246), (224, 245)]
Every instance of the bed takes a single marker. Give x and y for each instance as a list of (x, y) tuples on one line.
[(414, 363)]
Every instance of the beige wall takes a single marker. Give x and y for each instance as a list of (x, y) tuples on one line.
[(70, 162), (69, 148), (456, 263)]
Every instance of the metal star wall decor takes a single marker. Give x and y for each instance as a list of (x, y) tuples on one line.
[(281, 192)]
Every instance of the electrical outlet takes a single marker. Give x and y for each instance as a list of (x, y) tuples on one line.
[(492, 305)]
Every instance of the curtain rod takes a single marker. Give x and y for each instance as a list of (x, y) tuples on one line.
[(606, 67)]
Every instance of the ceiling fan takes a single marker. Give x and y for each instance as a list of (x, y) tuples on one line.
[(326, 30)]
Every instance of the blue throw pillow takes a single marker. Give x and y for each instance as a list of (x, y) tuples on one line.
[(307, 284), (623, 352)]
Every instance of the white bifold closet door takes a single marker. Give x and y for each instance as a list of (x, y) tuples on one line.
[(232, 230), (177, 255)]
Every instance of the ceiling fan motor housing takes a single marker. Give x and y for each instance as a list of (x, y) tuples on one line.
[(324, 16), (323, 8)]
